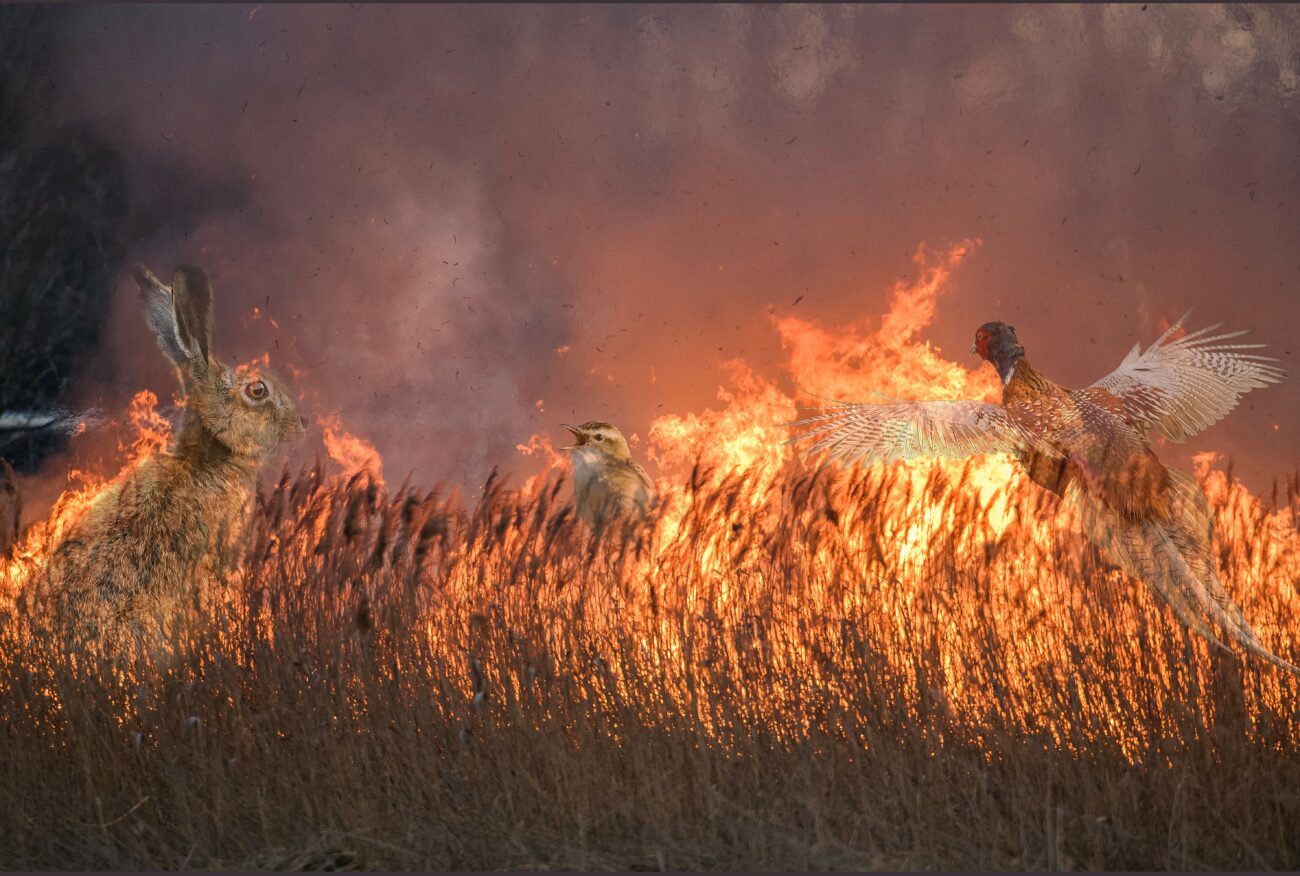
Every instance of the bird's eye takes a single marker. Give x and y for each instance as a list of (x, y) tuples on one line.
[(600, 437), (256, 390)]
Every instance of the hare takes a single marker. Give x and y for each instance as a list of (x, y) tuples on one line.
[(148, 545)]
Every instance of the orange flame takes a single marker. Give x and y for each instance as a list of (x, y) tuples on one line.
[(353, 454), (745, 436), (849, 364), (151, 431), (149, 434), (925, 514)]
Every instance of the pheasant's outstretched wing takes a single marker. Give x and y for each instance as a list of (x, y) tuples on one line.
[(907, 429), (1174, 556), (1182, 386)]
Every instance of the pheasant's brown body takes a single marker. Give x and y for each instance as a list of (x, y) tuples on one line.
[(1094, 440)]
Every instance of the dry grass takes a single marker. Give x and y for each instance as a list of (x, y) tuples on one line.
[(399, 681)]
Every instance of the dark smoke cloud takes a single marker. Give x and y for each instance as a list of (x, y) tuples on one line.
[(63, 202), (432, 201)]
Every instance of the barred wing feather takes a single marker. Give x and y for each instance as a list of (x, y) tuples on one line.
[(908, 429), (1185, 385)]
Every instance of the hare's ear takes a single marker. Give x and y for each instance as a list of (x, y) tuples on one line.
[(160, 313), (192, 303)]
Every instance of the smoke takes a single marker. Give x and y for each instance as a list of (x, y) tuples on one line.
[(470, 224), (62, 204)]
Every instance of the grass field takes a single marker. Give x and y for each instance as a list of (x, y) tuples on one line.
[(801, 671)]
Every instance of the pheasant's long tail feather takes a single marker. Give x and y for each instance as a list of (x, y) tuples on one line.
[(1174, 556), (1192, 560), (1141, 556)]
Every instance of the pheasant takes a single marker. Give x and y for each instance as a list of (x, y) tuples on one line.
[(1090, 447)]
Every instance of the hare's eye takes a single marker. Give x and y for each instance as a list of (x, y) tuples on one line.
[(256, 390)]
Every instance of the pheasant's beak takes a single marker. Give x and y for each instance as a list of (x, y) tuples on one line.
[(973, 351), (582, 439)]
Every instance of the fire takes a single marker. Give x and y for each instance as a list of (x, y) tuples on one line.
[(855, 363), (150, 430), (966, 510), (858, 361), (541, 447), (352, 453), (850, 364), (761, 574), (746, 434), (147, 433)]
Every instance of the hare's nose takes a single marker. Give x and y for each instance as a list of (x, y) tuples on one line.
[(303, 420)]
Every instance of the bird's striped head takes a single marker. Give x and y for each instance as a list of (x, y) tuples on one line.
[(599, 437)]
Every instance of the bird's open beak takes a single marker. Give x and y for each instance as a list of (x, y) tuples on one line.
[(582, 439), (973, 351)]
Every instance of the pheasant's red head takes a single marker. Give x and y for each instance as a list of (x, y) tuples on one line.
[(996, 341)]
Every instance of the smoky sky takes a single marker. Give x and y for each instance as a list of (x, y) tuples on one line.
[(471, 224)]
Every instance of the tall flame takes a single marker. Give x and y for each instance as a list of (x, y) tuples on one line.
[(147, 433), (856, 362), (352, 453), (739, 528)]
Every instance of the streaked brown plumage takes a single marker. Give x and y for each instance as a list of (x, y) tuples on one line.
[(607, 481), (1090, 446)]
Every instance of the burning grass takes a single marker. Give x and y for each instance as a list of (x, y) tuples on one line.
[(914, 666), (403, 679)]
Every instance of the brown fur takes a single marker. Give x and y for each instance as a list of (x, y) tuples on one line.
[(146, 548)]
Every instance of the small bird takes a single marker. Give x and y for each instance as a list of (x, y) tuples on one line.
[(607, 482), (1090, 446)]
